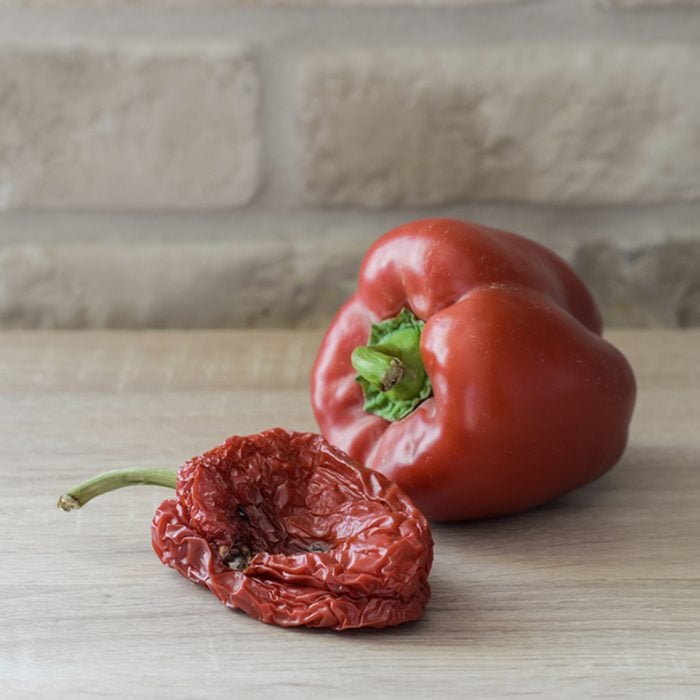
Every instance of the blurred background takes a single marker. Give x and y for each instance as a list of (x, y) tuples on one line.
[(226, 163)]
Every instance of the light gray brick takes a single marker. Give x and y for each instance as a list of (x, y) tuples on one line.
[(534, 123), (130, 125)]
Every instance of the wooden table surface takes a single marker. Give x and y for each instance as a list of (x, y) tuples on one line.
[(596, 594)]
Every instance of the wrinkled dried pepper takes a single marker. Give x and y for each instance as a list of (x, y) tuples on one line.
[(290, 530)]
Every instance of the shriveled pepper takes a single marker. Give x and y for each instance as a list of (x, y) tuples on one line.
[(469, 367), (288, 529)]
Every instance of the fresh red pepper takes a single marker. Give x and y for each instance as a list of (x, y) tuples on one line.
[(288, 529), (469, 367)]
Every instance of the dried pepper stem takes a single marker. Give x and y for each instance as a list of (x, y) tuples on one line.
[(79, 495)]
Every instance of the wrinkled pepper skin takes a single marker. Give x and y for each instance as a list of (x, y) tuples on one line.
[(314, 538), (529, 401)]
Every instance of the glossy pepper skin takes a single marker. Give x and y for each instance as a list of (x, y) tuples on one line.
[(528, 400), (290, 530)]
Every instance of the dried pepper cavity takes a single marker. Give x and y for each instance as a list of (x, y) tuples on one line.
[(288, 529)]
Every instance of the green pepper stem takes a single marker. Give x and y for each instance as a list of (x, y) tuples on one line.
[(381, 370), (390, 367), (79, 495)]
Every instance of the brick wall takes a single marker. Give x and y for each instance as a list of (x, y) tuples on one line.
[(199, 163)]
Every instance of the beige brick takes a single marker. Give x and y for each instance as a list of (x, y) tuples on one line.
[(255, 282), (625, 4), (163, 124), (384, 3), (282, 283), (655, 285), (199, 4), (534, 123)]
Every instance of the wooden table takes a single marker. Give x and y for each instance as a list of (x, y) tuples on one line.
[(596, 594)]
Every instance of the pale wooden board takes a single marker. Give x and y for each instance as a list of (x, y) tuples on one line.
[(596, 594)]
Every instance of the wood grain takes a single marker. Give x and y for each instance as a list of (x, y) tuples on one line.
[(597, 594)]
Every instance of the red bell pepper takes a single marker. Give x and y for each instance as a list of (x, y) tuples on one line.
[(469, 368)]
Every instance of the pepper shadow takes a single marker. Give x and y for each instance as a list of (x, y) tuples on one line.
[(606, 521)]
